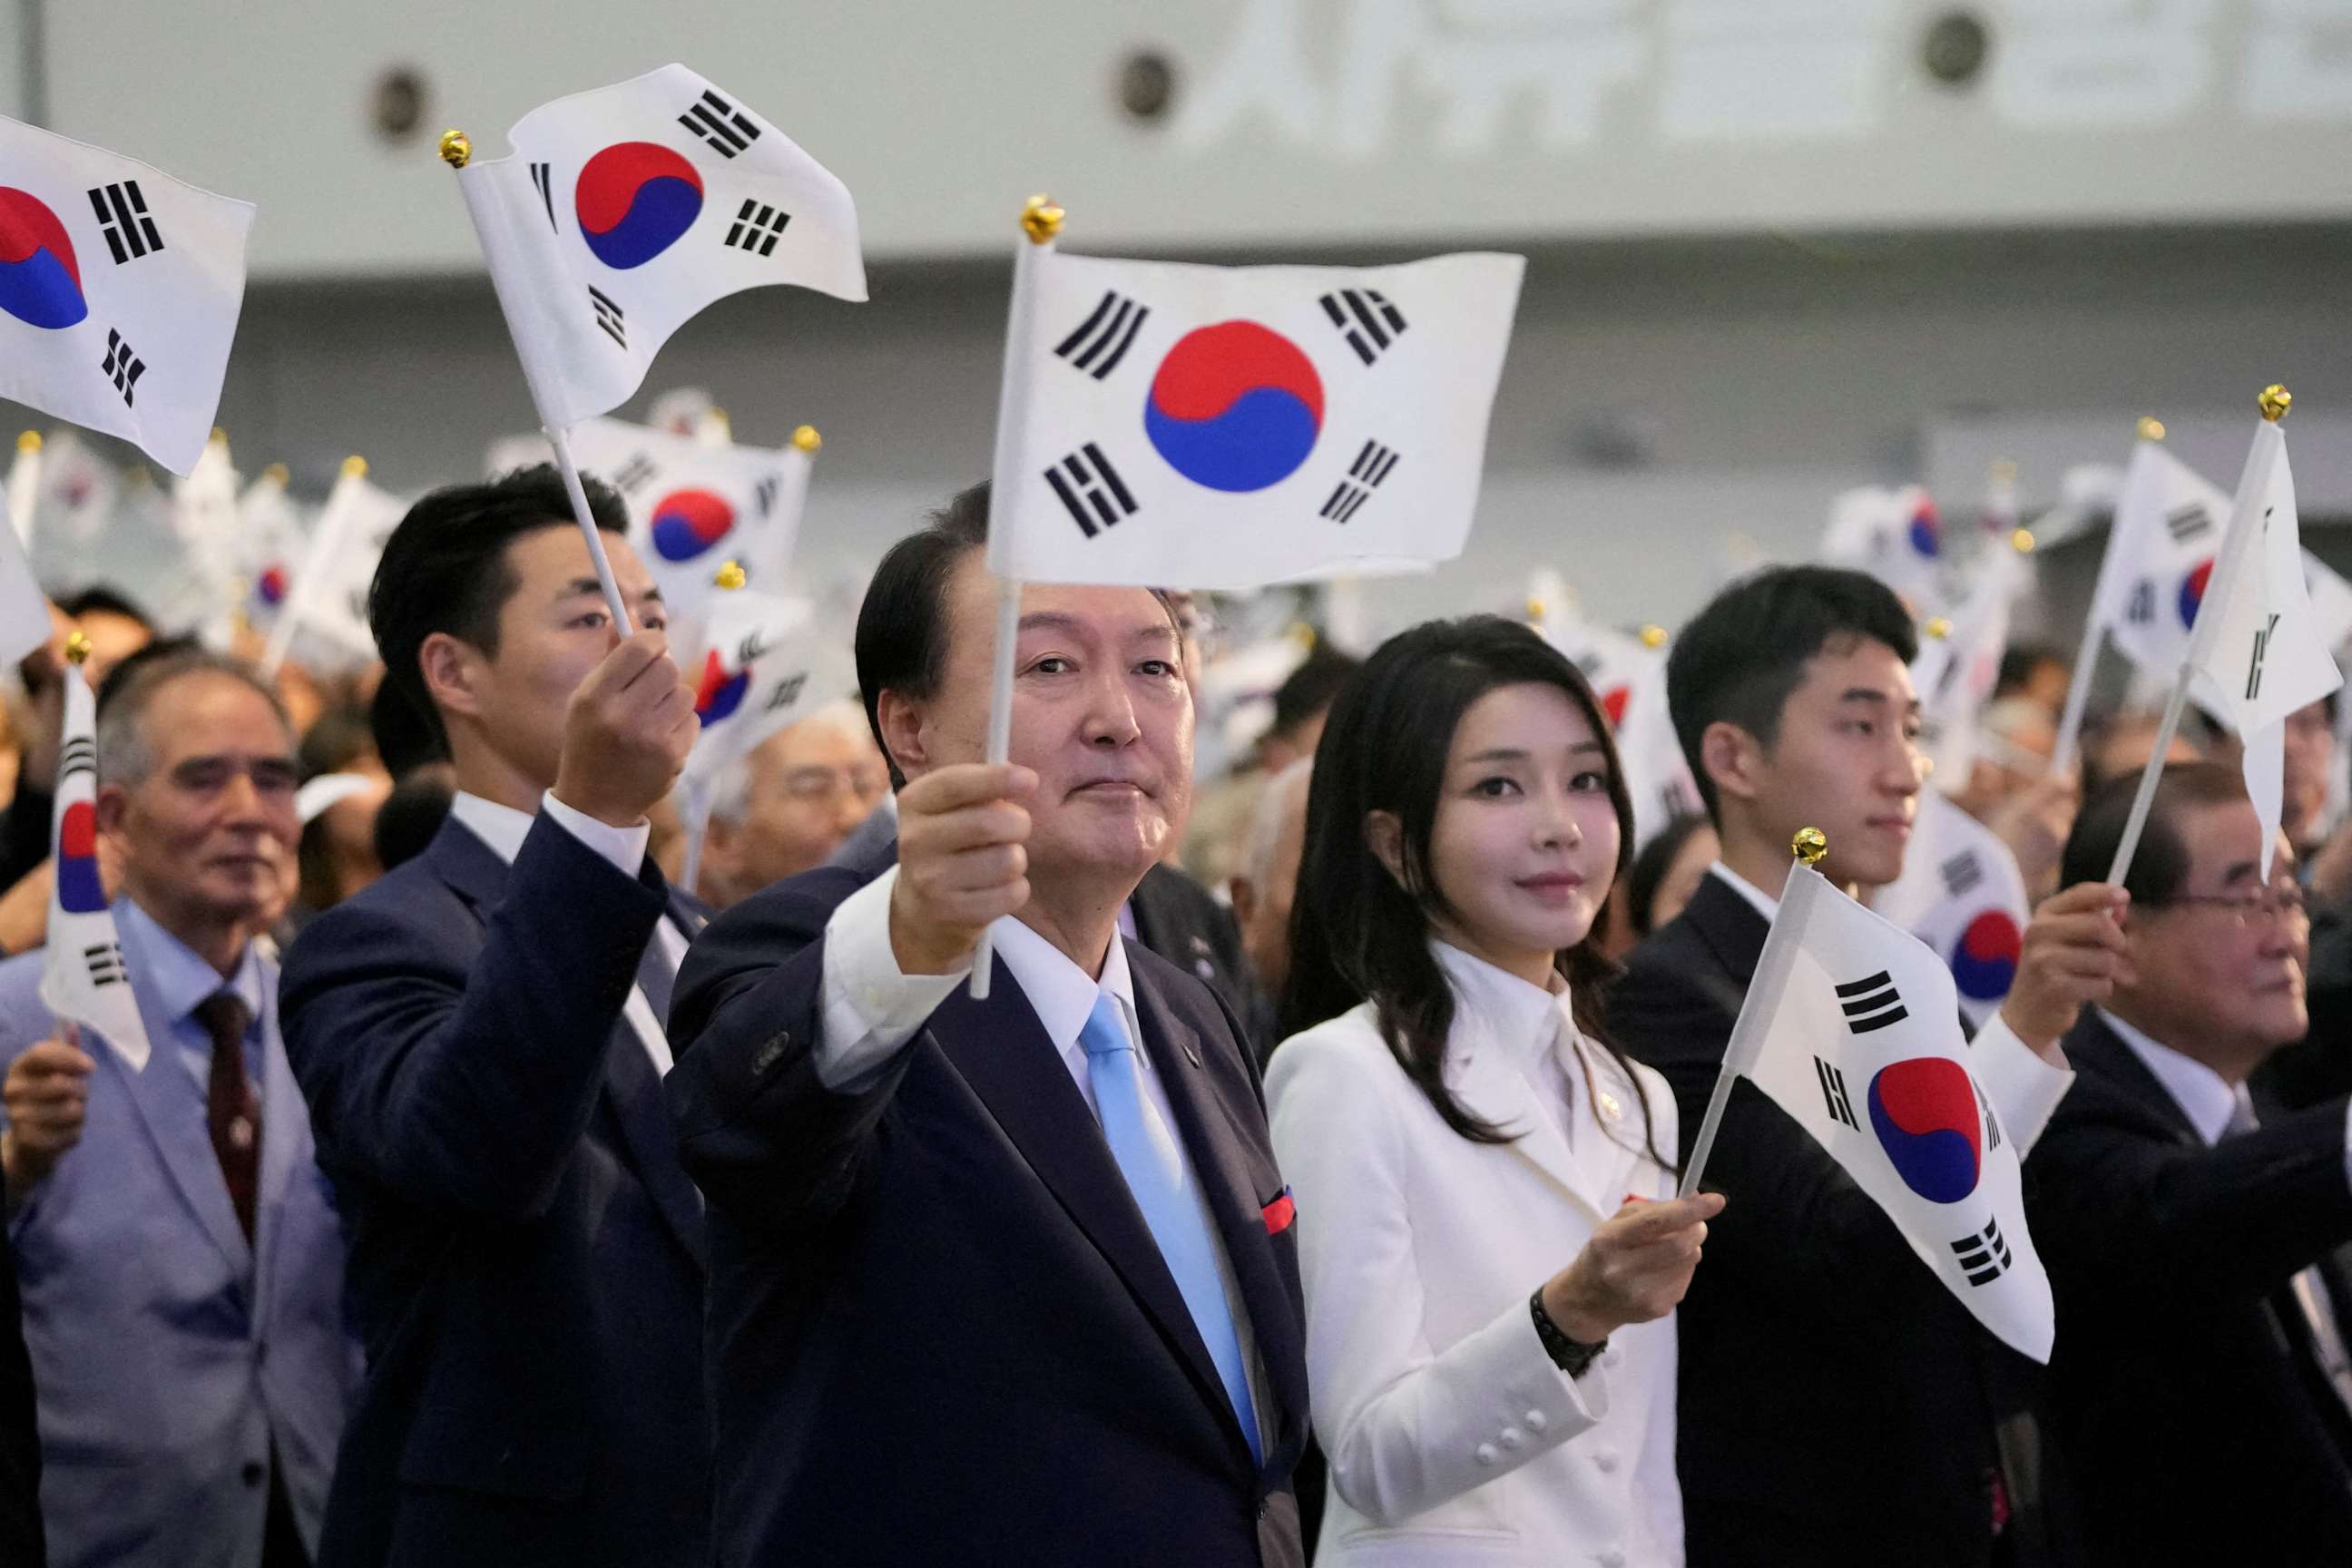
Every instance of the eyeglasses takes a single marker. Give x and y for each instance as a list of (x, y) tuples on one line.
[(2279, 900)]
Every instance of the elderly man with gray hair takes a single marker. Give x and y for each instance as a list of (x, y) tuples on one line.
[(791, 802), (181, 1258)]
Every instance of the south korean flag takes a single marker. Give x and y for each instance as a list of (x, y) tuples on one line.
[(1961, 893), (1223, 427), (626, 210), (120, 289)]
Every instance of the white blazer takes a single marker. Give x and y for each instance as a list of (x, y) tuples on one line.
[(1452, 1437)]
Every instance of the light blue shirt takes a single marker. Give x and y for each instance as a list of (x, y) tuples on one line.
[(179, 979)]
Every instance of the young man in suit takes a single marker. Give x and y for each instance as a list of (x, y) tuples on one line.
[(1837, 1403), (2201, 1387), (181, 1257), (479, 1033), (1003, 1281)]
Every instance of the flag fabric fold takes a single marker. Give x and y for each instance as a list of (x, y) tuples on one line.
[(327, 600), (1962, 894), (84, 978)]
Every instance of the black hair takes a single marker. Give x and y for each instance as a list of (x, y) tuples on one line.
[(335, 740), (101, 600), (2019, 662), (412, 813), (2161, 865), (1358, 933), (1310, 689), (444, 569), (1747, 651), (405, 738), (1650, 869)]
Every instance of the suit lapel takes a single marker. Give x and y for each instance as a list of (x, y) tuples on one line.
[(285, 1128), (172, 1106), (1484, 1081), (999, 1047), (2095, 1046), (1732, 927), (1216, 1146)]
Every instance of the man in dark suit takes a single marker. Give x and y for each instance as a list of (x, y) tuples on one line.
[(20, 1437), (479, 1038), (1003, 1281), (1837, 1403), (2201, 1387)]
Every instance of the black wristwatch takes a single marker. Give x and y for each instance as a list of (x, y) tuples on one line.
[(1571, 1357)]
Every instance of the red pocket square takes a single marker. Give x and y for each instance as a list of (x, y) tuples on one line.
[(1280, 1212)]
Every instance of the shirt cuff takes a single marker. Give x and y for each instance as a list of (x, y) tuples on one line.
[(624, 847), (871, 1008), (2024, 1089)]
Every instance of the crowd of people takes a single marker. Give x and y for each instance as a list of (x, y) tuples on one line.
[(1297, 1180)]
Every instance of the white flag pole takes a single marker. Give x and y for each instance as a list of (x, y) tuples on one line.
[(457, 151), (2094, 627), (327, 542), (1041, 222), (24, 487), (1781, 944), (2252, 484), (699, 798)]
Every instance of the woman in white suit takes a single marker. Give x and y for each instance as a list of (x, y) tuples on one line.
[(1487, 1231)]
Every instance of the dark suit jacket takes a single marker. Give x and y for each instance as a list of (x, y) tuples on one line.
[(2191, 1414), (1182, 921), (940, 1331), (20, 1439), (526, 1252), (1837, 1405)]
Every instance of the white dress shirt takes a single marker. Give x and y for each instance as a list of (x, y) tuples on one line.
[(873, 1010), (504, 829), (2023, 1086)]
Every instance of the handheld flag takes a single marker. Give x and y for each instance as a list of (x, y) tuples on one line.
[(1959, 660), (327, 599), (120, 289), (83, 977), (757, 675), (206, 522), (1628, 673), (1895, 535), (270, 545), (1962, 894), (1852, 1029)]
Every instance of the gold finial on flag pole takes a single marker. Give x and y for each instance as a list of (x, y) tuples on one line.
[(277, 472), (731, 576), (1809, 845), (1534, 611), (1938, 627), (806, 438), (76, 648), (2274, 402), (219, 437), (30, 441), (457, 149), (2150, 427), (355, 467), (1654, 636), (1041, 218), (2021, 540)]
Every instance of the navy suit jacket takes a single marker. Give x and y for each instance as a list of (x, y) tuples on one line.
[(940, 1331), (526, 1252)]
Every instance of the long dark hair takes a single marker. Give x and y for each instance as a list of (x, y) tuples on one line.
[(1356, 933)]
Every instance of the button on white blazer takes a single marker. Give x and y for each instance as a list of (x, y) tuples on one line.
[(1453, 1439)]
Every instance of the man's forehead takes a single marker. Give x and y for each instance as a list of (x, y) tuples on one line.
[(186, 714), (2224, 835), (1853, 662)]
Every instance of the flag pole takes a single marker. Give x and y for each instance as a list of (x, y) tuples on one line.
[(2086, 656), (457, 150), (2227, 564), (1040, 223), (1781, 944), (24, 487)]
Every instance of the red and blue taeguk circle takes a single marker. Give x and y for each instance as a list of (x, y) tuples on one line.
[(1925, 1113), (40, 280), (2192, 592), (635, 199), (1235, 406), (719, 694), (79, 890), (1927, 532), (1984, 960), (688, 523)]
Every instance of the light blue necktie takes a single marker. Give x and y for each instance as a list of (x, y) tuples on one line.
[(1154, 1168)]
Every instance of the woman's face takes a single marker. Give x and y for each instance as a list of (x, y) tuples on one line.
[(1525, 842)]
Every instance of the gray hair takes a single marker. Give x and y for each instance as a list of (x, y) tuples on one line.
[(730, 796), (124, 755), (1266, 816)]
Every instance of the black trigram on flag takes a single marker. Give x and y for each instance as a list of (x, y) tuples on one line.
[(1365, 320), (122, 217), (80, 755), (105, 964), (1962, 873), (1091, 489), (2262, 647), (1984, 1255), (1372, 465), (123, 366), (787, 692), (1871, 1003), (545, 182), (2142, 607), (1103, 339), (757, 227), (634, 474), (609, 316), (763, 494), (1834, 1091), (2189, 522), (720, 123)]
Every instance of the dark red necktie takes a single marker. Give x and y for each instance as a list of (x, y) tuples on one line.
[(232, 1110)]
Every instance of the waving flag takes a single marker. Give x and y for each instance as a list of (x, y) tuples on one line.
[(758, 672), (23, 608), (1852, 1027), (625, 210), (120, 289), (328, 598), (1962, 894), (204, 520), (269, 546), (1223, 427), (24, 488), (1629, 675), (2159, 558), (1958, 665), (1895, 535), (83, 978)]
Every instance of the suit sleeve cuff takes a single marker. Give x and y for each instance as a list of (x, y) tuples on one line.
[(624, 847), (871, 1008), (2023, 1088)]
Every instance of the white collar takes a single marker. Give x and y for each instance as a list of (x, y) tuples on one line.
[(1522, 1019), (1063, 994), (2203, 1095), (502, 827), (1763, 904)]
